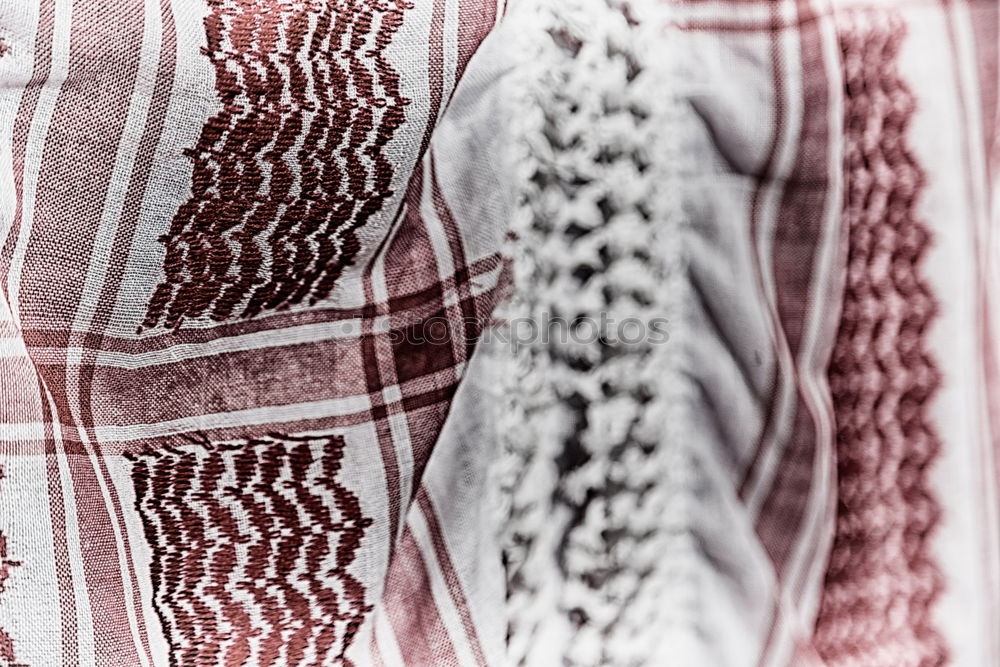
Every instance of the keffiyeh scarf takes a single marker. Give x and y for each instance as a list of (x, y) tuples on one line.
[(486, 332)]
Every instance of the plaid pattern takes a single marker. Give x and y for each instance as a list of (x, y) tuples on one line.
[(230, 234), (103, 113)]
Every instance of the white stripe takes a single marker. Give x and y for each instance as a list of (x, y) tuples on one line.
[(449, 54), (977, 181), (12, 348), (783, 635), (962, 610), (386, 639), (84, 617), (15, 68)]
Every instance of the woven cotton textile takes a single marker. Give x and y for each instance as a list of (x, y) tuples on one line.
[(222, 222), (265, 267)]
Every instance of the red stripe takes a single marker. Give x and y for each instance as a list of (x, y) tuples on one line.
[(411, 258), (99, 553), (454, 234), (371, 363), (410, 219), (78, 131), (123, 239), (401, 305), (450, 575), (724, 25), (797, 239), (435, 396), (41, 71), (435, 72), (985, 20), (986, 28), (422, 637), (125, 233), (476, 19), (73, 121), (119, 517), (767, 172)]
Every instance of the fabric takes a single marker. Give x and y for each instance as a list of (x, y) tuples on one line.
[(805, 472), (225, 225), (466, 332)]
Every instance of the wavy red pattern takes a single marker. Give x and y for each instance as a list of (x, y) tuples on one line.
[(251, 546), (294, 162), (882, 581)]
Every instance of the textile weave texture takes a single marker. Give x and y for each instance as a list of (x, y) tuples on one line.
[(265, 394)]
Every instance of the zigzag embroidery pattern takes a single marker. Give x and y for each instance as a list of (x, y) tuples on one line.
[(294, 162), (251, 544), (882, 581)]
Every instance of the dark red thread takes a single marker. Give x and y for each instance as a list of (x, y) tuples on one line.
[(251, 547), (294, 162), (882, 581)]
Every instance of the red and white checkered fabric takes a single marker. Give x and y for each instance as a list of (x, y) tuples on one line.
[(247, 252), (226, 226)]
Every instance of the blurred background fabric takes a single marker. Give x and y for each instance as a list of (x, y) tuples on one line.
[(805, 472)]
